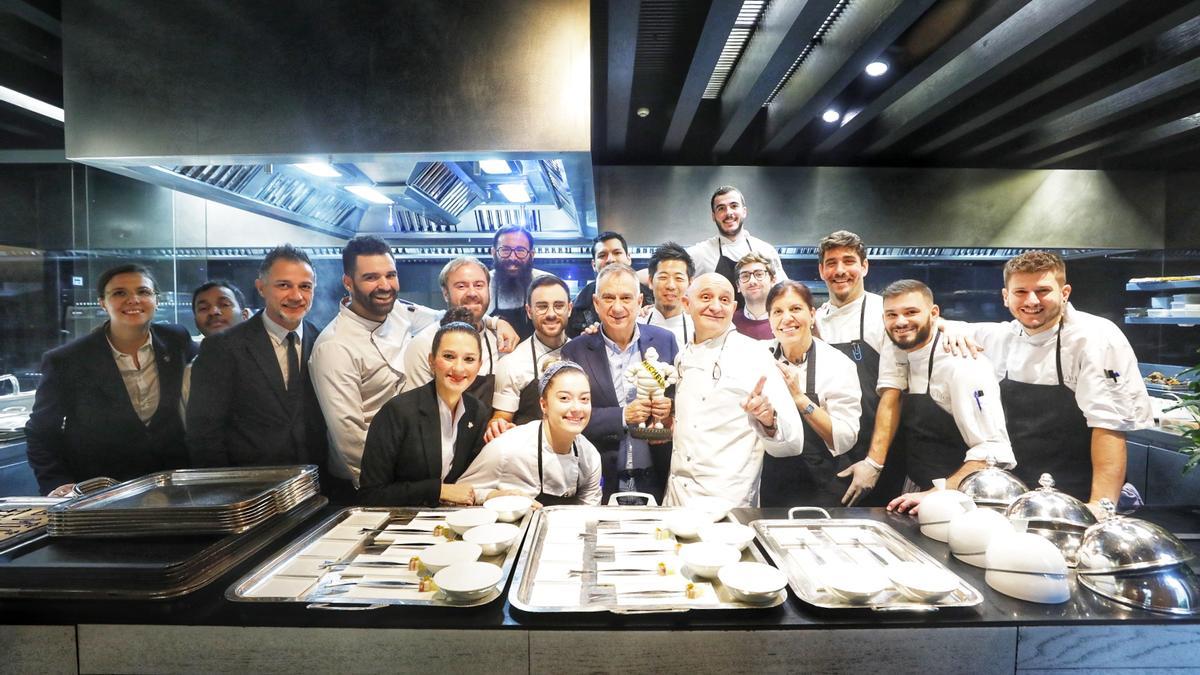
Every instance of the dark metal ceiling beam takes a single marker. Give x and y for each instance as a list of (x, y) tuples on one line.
[(722, 15), (1172, 49), (1023, 37), (33, 15), (784, 30), (1080, 68), (859, 36), (1129, 142), (962, 40), (1129, 101), (622, 49), (29, 43)]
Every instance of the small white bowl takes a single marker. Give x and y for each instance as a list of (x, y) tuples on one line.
[(705, 559), (922, 583), (509, 508), (440, 556), (752, 582), (855, 584), (716, 507), (494, 539), (686, 523), (464, 582), (734, 534), (461, 521)]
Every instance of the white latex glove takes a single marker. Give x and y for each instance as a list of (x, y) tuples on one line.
[(862, 480)]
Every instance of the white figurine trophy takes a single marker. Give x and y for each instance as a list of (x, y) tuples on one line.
[(651, 377)]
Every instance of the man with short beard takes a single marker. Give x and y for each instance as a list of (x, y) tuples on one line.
[(512, 271), (950, 418), (732, 242), (516, 399)]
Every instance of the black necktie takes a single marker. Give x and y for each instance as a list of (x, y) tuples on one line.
[(293, 364)]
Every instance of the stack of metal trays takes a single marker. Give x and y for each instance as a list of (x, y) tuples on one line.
[(186, 502)]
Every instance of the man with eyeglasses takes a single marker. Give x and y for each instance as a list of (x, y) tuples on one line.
[(512, 263), (516, 399), (755, 278)]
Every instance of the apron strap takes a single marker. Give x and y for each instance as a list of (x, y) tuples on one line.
[(932, 352), (862, 320), (1058, 352)]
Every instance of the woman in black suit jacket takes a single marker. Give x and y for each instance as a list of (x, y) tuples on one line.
[(86, 420), (406, 461)]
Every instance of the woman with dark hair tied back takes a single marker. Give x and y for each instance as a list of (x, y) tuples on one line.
[(547, 459), (421, 441), (108, 402), (824, 385)]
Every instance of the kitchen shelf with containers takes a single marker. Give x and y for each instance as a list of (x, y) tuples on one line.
[(1172, 302)]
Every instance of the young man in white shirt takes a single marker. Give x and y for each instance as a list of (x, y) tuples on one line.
[(721, 253), (516, 399), (731, 405), (671, 271), (951, 417)]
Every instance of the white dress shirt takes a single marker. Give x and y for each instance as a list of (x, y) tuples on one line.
[(357, 365), (680, 326), (839, 325), (705, 254), (509, 463), (838, 393), (140, 379), (515, 371), (719, 447), (416, 357), (1092, 348), (279, 343), (956, 381), (449, 429)]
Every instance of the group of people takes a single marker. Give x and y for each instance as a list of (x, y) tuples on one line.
[(513, 389)]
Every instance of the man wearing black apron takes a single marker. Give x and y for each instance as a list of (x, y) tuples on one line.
[(721, 253), (852, 322), (951, 418), (549, 307)]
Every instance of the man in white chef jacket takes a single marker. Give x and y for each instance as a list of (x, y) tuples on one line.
[(721, 252), (731, 405), (1069, 382)]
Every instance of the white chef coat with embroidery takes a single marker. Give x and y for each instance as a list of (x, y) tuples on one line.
[(515, 371), (416, 357), (718, 447), (838, 393), (956, 380), (839, 325), (1092, 348), (356, 366), (705, 254), (509, 462)]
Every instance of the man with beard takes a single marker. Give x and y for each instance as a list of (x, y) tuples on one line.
[(465, 283), (1070, 378), (512, 271), (607, 248), (216, 305), (731, 405), (671, 272), (951, 418), (732, 242), (252, 401), (357, 363), (516, 400)]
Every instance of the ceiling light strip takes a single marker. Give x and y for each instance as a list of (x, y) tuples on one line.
[(826, 25), (747, 20)]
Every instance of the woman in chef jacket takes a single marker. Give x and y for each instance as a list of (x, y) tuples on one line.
[(824, 384), (548, 459), (421, 441)]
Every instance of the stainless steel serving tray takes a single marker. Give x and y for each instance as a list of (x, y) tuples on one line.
[(854, 541), (587, 599), (34, 507), (322, 592)]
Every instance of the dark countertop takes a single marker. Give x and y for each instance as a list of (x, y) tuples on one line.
[(209, 607)]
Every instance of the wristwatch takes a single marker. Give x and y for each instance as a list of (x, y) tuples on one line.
[(809, 409)]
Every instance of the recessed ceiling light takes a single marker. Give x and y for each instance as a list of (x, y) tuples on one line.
[(643, 112), (321, 169), (516, 193), (31, 104), (370, 194), (831, 116), (877, 68), (495, 167)]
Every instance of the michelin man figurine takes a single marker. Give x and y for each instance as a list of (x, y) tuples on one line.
[(651, 377)]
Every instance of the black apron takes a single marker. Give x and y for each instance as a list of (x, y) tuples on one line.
[(548, 499), (866, 360), (518, 317), (935, 447), (727, 267), (529, 406), (485, 385), (686, 338), (811, 478), (1049, 432)]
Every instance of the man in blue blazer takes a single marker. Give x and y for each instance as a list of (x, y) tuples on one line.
[(627, 463), (252, 402)]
